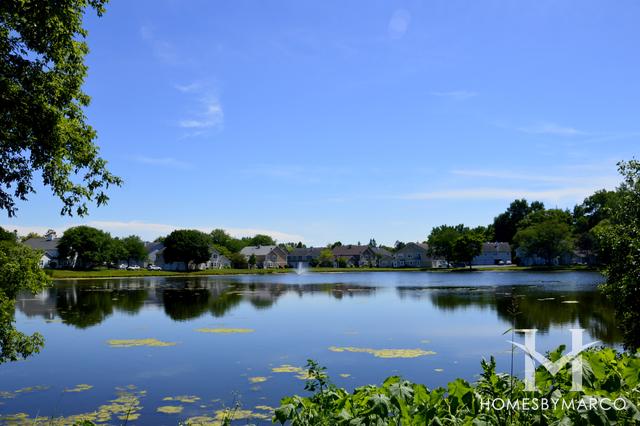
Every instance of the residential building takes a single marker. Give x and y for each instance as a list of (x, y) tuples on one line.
[(155, 256), (355, 255), (384, 258), (493, 254), (48, 245), (304, 257), (266, 256), (218, 261), (415, 255)]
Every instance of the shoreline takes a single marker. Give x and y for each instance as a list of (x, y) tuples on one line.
[(64, 275)]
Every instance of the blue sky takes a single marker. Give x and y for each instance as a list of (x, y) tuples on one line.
[(340, 120)]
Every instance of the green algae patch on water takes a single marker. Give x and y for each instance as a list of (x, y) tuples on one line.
[(170, 409), (344, 375), (21, 391), (226, 416), (300, 372), (258, 379), (130, 343), (186, 399), (225, 330), (79, 388), (384, 353)]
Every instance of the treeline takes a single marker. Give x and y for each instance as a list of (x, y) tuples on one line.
[(552, 235)]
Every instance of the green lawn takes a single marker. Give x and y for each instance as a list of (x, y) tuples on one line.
[(115, 273)]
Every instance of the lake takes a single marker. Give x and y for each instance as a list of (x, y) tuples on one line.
[(228, 341)]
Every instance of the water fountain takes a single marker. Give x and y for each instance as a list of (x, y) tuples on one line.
[(301, 269)]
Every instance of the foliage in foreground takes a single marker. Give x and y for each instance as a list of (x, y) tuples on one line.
[(606, 374)]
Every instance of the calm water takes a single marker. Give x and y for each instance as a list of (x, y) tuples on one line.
[(460, 316)]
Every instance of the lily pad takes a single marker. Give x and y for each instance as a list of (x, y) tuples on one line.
[(170, 409), (79, 388), (258, 379), (187, 399)]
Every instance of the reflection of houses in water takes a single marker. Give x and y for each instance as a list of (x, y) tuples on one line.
[(39, 305)]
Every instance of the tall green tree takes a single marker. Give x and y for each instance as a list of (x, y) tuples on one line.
[(548, 238), (134, 250), (89, 246), (326, 258), (505, 225), (19, 271), (467, 246), (43, 129), (620, 239), (442, 239), (188, 246)]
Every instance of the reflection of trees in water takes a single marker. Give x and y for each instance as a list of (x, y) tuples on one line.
[(87, 304), (539, 308), (88, 307)]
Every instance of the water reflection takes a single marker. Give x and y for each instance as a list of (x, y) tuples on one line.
[(538, 306), (87, 304)]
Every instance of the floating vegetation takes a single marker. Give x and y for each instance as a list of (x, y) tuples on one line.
[(258, 379), (79, 388), (170, 409), (385, 353), (129, 343), (265, 408), (186, 399), (300, 372), (570, 301), (28, 389), (345, 375), (545, 299), (225, 330), (125, 407), (223, 417)]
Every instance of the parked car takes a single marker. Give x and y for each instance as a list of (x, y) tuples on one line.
[(154, 268), (123, 266), (133, 268)]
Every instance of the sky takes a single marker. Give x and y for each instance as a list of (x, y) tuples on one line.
[(349, 120)]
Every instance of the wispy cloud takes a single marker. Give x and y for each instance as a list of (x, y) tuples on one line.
[(210, 116), (605, 179), (548, 128), (399, 23), (163, 162), (150, 231), (456, 95), (556, 194), (162, 49)]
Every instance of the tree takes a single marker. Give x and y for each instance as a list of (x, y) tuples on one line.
[(620, 239), (442, 239), (88, 246), (260, 240), (252, 261), (188, 246), (43, 130), (467, 246), (326, 258), (134, 249), (7, 235), (373, 243), (29, 236), (399, 245), (19, 271), (505, 225), (547, 239), (334, 245), (238, 261)]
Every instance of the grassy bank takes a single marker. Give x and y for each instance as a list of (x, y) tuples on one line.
[(118, 273)]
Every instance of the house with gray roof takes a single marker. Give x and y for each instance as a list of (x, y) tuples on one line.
[(304, 257), (355, 255), (266, 256), (493, 254), (48, 245), (415, 255)]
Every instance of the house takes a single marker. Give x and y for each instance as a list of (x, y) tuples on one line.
[(266, 256), (48, 245), (567, 258), (218, 261), (493, 254), (415, 255), (155, 255), (304, 257), (355, 256), (384, 258)]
